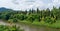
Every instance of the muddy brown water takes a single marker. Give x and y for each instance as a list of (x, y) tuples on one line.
[(26, 27), (34, 28)]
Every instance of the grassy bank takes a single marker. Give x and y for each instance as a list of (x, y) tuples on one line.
[(42, 24)]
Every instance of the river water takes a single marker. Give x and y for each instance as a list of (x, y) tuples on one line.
[(35, 28), (26, 27)]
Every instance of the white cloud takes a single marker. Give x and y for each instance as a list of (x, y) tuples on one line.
[(27, 4)]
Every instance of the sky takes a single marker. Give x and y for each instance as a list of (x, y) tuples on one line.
[(29, 4)]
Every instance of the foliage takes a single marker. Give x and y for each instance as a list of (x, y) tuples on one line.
[(9, 28), (33, 16)]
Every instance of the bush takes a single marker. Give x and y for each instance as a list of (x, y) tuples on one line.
[(9, 28)]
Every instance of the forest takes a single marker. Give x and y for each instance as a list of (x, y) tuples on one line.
[(47, 17)]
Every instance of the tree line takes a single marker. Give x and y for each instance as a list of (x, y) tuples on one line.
[(47, 16)]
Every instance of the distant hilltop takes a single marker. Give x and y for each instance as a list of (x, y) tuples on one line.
[(4, 9)]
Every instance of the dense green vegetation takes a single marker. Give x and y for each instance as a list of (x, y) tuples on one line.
[(9, 28), (38, 17)]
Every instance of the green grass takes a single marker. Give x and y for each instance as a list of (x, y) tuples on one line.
[(56, 25), (9, 28), (42, 23)]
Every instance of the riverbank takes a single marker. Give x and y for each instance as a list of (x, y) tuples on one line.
[(31, 27), (39, 24)]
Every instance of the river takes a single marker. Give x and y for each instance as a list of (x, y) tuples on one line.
[(30, 28)]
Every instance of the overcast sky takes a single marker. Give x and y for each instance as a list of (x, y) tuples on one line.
[(27, 4)]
